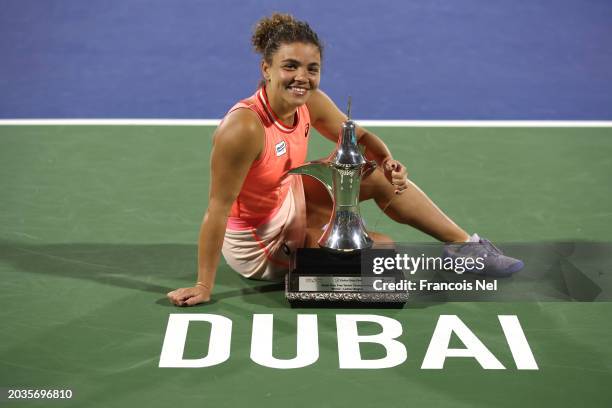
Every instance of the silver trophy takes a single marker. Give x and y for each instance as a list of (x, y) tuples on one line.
[(336, 274), (341, 174)]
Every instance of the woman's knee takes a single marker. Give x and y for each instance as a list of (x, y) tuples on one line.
[(375, 186)]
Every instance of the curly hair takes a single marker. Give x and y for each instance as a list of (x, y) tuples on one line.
[(270, 32)]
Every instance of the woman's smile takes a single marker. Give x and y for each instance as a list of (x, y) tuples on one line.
[(297, 90)]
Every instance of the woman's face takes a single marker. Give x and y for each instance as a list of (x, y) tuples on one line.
[(294, 74)]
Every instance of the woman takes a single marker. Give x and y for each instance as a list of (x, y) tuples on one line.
[(257, 213)]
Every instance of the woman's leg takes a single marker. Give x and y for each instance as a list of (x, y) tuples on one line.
[(412, 207)]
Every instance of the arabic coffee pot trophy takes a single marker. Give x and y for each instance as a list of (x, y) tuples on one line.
[(332, 273)]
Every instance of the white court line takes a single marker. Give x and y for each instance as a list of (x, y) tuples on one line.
[(365, 122), (484, 123), (109, 122)]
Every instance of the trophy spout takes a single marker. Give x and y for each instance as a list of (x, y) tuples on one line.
[(319, 170)]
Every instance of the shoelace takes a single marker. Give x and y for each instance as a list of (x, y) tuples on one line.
[(495, 250)]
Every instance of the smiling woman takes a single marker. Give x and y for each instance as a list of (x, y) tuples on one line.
[(258, 214)]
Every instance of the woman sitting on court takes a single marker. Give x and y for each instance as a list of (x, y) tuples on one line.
[(257, 213)]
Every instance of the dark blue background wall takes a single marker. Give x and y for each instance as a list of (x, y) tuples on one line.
[(424, 59)]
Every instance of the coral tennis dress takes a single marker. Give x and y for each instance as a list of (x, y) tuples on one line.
[(268, 219)]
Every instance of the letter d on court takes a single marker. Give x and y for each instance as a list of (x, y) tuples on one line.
[(176, 335)]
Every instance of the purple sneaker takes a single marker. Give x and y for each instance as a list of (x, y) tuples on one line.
[(488, 260)]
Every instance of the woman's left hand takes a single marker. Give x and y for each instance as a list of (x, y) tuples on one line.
[(396, 174)]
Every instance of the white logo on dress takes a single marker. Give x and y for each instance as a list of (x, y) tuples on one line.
[(281, 148)]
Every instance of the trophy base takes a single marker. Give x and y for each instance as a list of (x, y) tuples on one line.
[(322, 279)]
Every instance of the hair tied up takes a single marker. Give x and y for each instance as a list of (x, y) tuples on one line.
[(270, 32)]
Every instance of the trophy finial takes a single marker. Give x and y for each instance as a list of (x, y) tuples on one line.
[(348, 109)]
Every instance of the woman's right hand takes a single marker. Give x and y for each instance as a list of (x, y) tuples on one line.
[(189, 296)]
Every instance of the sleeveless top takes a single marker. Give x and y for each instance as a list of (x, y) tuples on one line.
[(267, 183)]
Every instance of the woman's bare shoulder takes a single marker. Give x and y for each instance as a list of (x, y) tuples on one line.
[(242, 130), (318, 100), (321, 107)]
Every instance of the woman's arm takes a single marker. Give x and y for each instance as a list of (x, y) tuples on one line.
[(327, 119), (236, 145)]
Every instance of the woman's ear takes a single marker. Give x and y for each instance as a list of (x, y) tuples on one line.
[(265, 70)]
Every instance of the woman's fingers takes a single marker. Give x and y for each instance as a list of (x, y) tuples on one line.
[(194, 300), (391, 165), (188, 296), (400, 189), (398, 176), (178, 296)]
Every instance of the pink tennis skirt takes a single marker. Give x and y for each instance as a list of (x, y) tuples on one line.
[(263, 252)]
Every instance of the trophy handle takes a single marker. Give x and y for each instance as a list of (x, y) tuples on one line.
[(368, 168), (319, 170)]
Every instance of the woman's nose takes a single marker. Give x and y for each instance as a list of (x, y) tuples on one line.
[(301, 75)]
